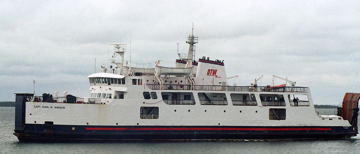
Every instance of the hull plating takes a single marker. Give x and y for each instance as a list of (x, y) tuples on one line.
[(66, 133)]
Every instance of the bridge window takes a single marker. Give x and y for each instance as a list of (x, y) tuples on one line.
[(149, 112), (277, 114), (298, 100), (272, 100), (108, 81), (178, 98), (212, 98), (146, 95), (153, 95), (243, 99)]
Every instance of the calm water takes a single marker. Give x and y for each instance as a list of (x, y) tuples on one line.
[(9, 144)]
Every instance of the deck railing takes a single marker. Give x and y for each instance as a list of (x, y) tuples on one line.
[(226, 88)]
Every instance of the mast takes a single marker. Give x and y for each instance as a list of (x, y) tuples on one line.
[(192, 40), (120, 50)]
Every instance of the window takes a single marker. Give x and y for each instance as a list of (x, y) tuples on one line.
[(165, 97), (187, 97), (212, 98), (120, 81), (119, 95), (298, 100), (272, 100), (133, 81), (108, 81), (103, 95), (149, 112), (139, 82), (146, 95), (178, 98), (243, 99), (153, 95), (277, 114)]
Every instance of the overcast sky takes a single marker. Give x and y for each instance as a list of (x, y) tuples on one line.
[(315, 43)]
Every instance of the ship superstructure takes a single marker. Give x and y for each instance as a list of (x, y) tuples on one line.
[(191, 100)]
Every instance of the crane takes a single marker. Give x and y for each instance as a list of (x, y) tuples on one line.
[(292, 83), (257, 79)]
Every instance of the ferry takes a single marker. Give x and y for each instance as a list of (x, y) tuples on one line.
[(190, 101)]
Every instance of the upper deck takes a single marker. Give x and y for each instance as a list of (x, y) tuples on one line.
[(291, 89)]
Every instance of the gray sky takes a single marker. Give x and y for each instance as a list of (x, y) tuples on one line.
[(315, 42)]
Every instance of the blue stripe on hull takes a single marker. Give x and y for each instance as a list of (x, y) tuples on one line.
[(68, 133)]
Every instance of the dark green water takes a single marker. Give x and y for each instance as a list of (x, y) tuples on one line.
[(9, 144)]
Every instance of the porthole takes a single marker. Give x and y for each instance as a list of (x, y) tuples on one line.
[(240, 111), (256, 111), (34, 121), (117, 123), (224, 110), (87, 123), (219, 124), (137, 123), (174, 110), (204, 110), (188, 110)]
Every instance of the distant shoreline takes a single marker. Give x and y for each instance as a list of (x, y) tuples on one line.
[(7, 104)]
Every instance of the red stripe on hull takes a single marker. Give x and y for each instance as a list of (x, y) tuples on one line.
[(210, 129)]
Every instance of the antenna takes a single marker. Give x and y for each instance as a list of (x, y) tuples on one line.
[(34, 87), (130, 51), (192, 29), (177, 50), (95, 65)]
